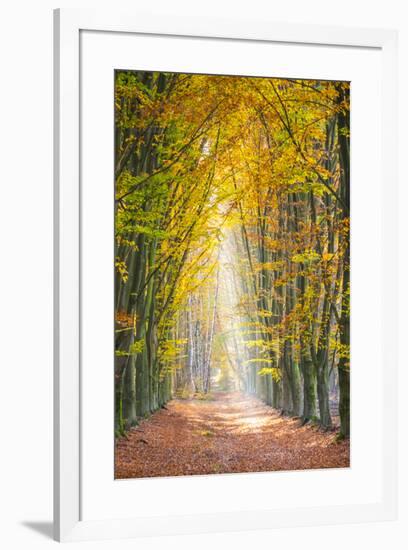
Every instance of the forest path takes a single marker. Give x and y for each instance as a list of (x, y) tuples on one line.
[(230, 433)]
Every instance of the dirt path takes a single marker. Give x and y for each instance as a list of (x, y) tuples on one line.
[(231, 433)]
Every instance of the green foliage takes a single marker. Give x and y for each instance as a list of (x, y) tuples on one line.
[(307, 257), (134, 349), (273, 371)]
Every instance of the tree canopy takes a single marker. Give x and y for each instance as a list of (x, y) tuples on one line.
[(232, 241)]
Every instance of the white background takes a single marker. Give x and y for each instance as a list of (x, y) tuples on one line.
[(26, 273)]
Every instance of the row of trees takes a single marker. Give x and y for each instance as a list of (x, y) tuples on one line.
[(164, 187), (232, 240)]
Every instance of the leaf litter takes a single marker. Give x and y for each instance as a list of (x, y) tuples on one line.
[(232, 433)]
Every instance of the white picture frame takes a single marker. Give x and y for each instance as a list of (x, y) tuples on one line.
[(68, 24)]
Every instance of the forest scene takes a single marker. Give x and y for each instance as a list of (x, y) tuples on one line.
[(232, 274)]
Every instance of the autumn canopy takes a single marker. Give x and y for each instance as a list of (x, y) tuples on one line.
[(232, 243)]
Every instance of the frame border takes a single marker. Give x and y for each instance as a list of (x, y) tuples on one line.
[(67, 476)]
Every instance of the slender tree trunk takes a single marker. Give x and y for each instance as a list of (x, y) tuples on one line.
[(323, 392), (343, 128), (309, 385)]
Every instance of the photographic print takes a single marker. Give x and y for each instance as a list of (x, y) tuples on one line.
[(232, 274)]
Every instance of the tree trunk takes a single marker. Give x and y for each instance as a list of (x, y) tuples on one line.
[(343, 129), (309, 387)]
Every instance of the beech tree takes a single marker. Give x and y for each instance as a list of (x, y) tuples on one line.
[(232, 242)]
